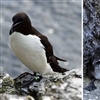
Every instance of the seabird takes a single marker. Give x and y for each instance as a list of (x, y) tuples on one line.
[(32, 48)]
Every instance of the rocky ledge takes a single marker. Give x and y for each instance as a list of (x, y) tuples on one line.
[(29, 86)]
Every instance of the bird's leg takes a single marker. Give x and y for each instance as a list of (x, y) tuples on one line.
[(34, 74), (37, 76)]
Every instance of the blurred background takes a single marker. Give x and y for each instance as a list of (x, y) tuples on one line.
[(59, 20)]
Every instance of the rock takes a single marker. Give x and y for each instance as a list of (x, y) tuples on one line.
[(14, 97), (94, 95), (91, 44), (7, 84), (91, 30), (53, 87), (67, 86)]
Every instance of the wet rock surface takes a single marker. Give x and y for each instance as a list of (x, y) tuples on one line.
[(91, 22), (91, 52), (91, 95), (50, 87)]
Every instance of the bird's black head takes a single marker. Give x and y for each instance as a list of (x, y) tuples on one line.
[(21, 23)]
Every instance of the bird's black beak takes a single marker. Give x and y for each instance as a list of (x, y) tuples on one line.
[(14, 27)]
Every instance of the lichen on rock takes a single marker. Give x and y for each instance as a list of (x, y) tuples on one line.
[(7, 84), (67, 86)]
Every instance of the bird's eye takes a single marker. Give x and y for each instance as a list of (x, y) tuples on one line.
[(16, 20)]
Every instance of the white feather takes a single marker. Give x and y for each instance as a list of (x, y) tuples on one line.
[(30, 52)]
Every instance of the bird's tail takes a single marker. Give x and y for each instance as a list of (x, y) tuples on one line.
[(60, 59), (55, 66)]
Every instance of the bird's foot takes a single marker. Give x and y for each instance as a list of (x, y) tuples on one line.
[(37, 77)]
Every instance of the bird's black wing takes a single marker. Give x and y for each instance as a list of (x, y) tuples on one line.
[(51, 58)]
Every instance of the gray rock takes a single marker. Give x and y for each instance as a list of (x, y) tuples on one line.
[(14, 97), (6, 84), (94, 95), (91, 22), (91, 29), (50, 87)]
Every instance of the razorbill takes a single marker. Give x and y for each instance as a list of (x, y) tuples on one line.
[(31, 47)]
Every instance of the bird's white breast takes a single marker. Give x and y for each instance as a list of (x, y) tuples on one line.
[(30, 52)]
